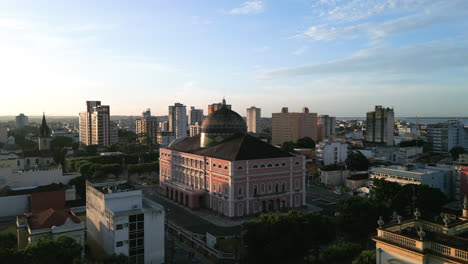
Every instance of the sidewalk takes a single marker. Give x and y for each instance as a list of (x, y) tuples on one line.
[(203, 214)]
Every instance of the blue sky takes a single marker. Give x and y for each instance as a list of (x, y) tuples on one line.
[(338, 57)]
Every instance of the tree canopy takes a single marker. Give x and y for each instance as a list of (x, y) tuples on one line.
[(342, 253), (282, 238), (456, 151), (366, 257), (356, 161)]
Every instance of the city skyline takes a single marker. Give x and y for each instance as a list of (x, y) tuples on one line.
[(335, 57)]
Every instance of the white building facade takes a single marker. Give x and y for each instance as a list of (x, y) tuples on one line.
[(254, 119), (331, 152), (178, 120), (121, 221)]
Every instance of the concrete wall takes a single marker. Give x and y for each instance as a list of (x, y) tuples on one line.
[(335, 178), (34, 177), (14, 205)]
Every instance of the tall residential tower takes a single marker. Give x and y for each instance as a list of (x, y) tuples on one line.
[(178, 120), (254, 120), (293, 126), (95, 125), (380, 125)]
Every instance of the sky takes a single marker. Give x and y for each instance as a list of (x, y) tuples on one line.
[(337, 57)]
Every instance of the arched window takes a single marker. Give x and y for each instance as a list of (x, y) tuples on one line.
[(255, 190), (28, 162), (240, 190), (283, 164), (283, 187), (214, 165), (262, 166), (270, 187), (37, 161), (240, 168), (276, 187), (214, 187), (297, 163), (269, 166), (219, 166), (262, 188), (277, 165), (255, 166), (225, 167), (225, 190)]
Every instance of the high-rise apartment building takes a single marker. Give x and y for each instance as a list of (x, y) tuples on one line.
[(146, 126), (325, 126), (254, 120), (195, 115), (120, 220), (178, 120), (445, 136), (380, 125), (95, 125), (195, 129), (215, 107), (293, 126), (22, 121)]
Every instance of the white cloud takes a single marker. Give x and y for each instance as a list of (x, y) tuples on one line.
[(14, 24), (300, 50), (437, 13), (262, 49), (416, 59), (249, 7)]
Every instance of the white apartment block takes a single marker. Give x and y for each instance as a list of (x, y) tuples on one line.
[(331, 152), (254, 120), (120, 221), (178, 120)]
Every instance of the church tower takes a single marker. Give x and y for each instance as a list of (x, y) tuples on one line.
[(44, 135)]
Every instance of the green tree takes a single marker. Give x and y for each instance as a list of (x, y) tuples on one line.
[(60, 142), (283, 238), (91, 150), (305, 142), (342, 253), (47, 250), (357, 216), (384, 191), (356, 161), (288, 146), (7, 241), (80, 186), (366, 257), (456, 151)]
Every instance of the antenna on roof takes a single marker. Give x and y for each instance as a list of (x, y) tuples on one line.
[(224, 100)]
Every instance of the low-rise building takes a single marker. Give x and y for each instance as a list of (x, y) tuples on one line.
[(164, 139), (435, 177), (120, 221), (51, 223), (421, 241), (331, 152)]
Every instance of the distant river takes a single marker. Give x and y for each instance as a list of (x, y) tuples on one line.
[(420, 120)]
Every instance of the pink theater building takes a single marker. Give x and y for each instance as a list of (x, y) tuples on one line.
[(231, 172)]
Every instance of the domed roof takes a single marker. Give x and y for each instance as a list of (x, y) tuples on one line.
[(224, 121)]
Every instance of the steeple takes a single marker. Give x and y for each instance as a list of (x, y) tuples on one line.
[(44, 130)]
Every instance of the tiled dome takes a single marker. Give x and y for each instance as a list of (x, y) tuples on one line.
[(224, 121)]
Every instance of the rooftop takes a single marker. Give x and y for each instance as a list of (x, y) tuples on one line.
[(50, 217), (238, 147)]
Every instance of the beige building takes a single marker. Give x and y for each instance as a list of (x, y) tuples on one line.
[(95, 125), (254, 120), (293, 126), (215, 107), (147, 126), (419, 241)]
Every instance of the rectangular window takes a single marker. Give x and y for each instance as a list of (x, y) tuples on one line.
[(296, 200), (118, 227), (119, 244), (255, 207)]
